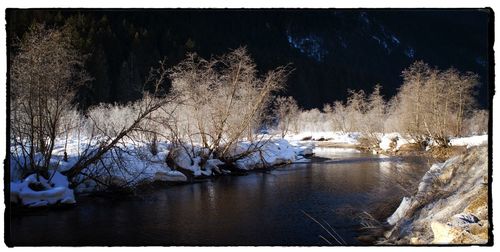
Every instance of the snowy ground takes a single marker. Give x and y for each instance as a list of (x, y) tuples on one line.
[(394, 141), (133, 164), (327, 136), (470, 141)]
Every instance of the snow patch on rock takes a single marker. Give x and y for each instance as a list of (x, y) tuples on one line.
[(273, 152), (53, 190), (470, 141), (400, 211)]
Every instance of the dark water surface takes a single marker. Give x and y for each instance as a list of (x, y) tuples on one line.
[(258, 209)]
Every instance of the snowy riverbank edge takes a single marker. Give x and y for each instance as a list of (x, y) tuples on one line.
[(143, 168), (450, 207)]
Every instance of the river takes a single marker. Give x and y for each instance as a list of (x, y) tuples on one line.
[(262, 208)]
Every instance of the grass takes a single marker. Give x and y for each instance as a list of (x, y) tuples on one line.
[(332, 234)]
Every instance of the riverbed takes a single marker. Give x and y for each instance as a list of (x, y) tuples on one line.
[(262, 208)]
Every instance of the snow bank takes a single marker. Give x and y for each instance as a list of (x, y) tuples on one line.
[(53, 190), (271, 153), (400, 212), (133, 164), (469, 141), (385, 143), (329, 136), (191, 162), (393, 141), (329, 152), (170, 176)]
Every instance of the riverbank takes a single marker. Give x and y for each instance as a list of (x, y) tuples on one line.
[(133, 167), (450, 206), (390, 144)]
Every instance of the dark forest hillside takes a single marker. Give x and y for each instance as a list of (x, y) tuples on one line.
[(331, 50)]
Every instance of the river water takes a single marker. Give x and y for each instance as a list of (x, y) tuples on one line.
[(258, 209)]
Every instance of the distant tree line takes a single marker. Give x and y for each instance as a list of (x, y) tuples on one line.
[(431, 104)]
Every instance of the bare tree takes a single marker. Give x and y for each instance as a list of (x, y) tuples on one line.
[(374, 116), (355, 108), (102, 140), (45, 72), (221, 100), (464, 99), (434, 104), (412, 99), (340, 116), (286, 111)]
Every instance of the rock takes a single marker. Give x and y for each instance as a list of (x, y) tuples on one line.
[(446, 175), (479, 206), (443, 234), (447, 234), (416, 241), (117, 181), (463, 220), (481, 231), (305, 152), (169, 176)]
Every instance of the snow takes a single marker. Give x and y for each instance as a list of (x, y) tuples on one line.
[(469, 141), (137, 165), (435, 170), (132, 163), (272, 153), (184, 160), (56, 190), (170, 176), (385, 143), (326, 151), (400, 212), (451, 195), (191, 161), (328, 136), (387, 139)]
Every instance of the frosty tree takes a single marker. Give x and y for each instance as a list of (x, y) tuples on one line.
[(44, 74)]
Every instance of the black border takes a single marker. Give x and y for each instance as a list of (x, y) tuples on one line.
[(491, 89)]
